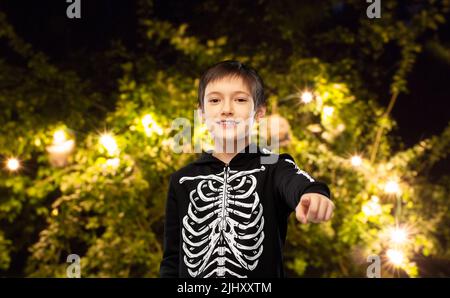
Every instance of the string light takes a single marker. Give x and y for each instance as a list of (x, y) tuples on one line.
[(150, 125), (356, 160), (398, 235), (109, 143), (306, 97), (328, 111), (392, 187), (13, 164), (396, 257), (59, 137)]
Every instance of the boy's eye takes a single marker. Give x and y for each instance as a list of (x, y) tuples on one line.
[(216, 100)]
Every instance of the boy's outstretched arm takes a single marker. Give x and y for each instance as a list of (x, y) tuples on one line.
[(309, 198)]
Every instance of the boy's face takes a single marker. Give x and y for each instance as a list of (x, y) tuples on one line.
[(229, 109)]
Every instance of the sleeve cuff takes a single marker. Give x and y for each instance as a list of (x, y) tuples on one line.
[(314, 187), (318, 187)]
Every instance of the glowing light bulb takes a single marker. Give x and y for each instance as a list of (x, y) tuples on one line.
[(398, 235), (109, 143), (13, 164), (59, 137), (396, 257), (392, 187), (328, 111), (356, 160), (306, 97)]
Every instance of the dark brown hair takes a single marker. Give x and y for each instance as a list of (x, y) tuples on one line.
[(233, 68)]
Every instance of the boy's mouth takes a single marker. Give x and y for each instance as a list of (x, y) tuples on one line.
[(227, 123)]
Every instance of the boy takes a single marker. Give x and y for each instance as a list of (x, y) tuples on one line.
[(227, 212)]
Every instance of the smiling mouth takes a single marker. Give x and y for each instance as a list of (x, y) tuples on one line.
[(227, 123)]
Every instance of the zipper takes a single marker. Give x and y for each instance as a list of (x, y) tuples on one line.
[(224, 194)]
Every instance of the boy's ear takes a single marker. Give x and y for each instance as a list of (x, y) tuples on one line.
[(260, 112)]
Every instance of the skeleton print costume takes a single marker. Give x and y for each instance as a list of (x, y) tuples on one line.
[(230, 220)]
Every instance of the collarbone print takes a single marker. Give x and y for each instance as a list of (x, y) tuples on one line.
[(222, 231)]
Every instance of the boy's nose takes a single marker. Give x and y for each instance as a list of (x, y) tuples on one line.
[(227, 109)]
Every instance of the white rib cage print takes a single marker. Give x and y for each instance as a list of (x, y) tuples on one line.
[(223, 230)]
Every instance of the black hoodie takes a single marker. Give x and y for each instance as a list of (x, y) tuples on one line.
[(230, 220)]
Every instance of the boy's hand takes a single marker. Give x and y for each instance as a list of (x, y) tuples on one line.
[(314, 207)]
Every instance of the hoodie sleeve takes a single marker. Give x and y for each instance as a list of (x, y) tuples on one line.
[(292, 182), (169, 263)]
